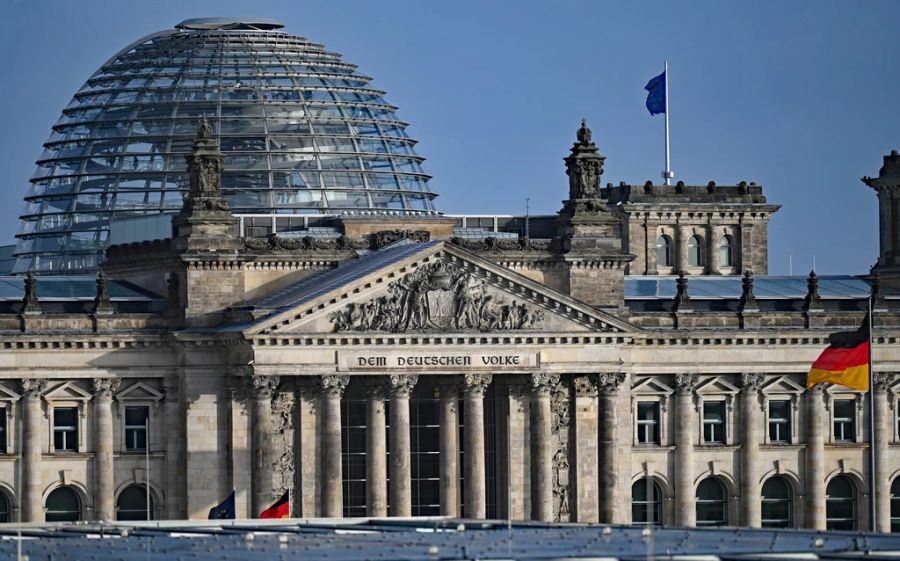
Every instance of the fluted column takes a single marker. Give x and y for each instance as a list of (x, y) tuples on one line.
[(751, 426), (30, 440), (333, 387), (260, 390), (883, 419), (586, 499), (401, 386), (104, 474), (685, 510), (473, 431), (449, 446), (542, 446), (608, 385), (815, 458), (376, 448)]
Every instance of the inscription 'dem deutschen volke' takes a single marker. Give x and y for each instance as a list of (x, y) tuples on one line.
[(438, 361)]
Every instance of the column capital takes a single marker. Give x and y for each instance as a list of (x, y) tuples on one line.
[(475, 385), (751, 381), (543, 383), (375, 387), (401, 385), (448, 385), (104, 388), (685, 383), (32, 387), (333, 385), (610, 382), (171, 386), (585, 386), (884, 381), (261, 387)]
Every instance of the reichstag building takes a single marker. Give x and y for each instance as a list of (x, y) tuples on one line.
[(231, 274)]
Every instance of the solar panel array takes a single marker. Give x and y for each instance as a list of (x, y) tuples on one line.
[(72, 288), (729, 287)]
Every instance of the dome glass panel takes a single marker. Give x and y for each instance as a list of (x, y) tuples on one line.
[(301, 131)]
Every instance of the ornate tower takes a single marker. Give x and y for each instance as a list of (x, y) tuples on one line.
[(887, 186), (588, 241)]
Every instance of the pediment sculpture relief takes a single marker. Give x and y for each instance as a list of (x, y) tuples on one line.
[(437, 297)]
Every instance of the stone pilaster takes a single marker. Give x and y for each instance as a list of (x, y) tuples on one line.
[(542, 447), (104, 472), (31, 438), (815, 458), (401, 386), (473, 430), (172, 426), (685, 510), (608, 385), (376, 448), (513, 447), (448, 389), (586, 500), (883, 418), (240, 444), (332, 389), (308, 453), (260, 390), (751, 427)]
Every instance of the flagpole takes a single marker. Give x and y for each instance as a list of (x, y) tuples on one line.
[(147, 459), (668, 173), (872, 442)]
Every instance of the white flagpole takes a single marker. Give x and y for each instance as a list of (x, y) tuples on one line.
[(872, 442), (668, 173)]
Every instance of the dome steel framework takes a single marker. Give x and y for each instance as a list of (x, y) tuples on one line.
[(300, 130)]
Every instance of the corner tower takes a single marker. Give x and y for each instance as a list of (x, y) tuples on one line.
[(887, 186)]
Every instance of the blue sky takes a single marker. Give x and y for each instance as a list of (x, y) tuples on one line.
[(799, 96)]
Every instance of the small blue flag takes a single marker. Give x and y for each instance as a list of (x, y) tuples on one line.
[(223, 511), (656, 99)]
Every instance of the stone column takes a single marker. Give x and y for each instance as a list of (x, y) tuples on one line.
[(449, 446), (401, 386), (609, 454), (815, 458), (683, 233), (586, 499), (171, 426), (31, 438), (307, 447), (332, 502), (685, 510), (260, 390), (542, 446), (104, 473), (376, 449), (751, 427), (883, 421), (711, 267), (473, 431)]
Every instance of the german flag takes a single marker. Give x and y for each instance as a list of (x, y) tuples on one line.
[(281, 508), (846, 360)]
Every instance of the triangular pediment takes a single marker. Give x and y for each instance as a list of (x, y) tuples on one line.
[(7, 394), (139, 391), (782, 385), (426, 288), (651, 386), (716, 386), (67, 391)]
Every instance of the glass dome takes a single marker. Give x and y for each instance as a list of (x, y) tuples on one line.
[(300, 130)]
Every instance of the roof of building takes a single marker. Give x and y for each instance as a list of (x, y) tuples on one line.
[(431, 539), (765, 287)]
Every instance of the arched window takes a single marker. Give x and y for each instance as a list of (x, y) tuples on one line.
[(840, 504), (646, 511), (132, 504), (63, 506), (726, 251), (895, 505), (4, 508), (695, 251), (712, 503), (664, 251), (777, 504)]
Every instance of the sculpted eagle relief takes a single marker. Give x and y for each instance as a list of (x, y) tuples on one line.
[(437, 297)]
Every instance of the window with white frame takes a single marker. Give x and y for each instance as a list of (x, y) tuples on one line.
[(714, 420), (780, 421), (648, 419), (65, 429), (844, 420), (136, 422)]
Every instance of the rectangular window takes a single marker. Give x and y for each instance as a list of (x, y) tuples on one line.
[(845, 420), (65, 429), (714, 422), (136, 428), (780, 422), (648, 422), (2, 430)]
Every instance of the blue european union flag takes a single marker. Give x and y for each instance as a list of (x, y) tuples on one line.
[(224, 510), (656, 99)]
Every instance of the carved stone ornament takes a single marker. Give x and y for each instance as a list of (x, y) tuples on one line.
[(501, 244), (30, 300), (610, 382), (173, 296), (884, 381), (685, 383), (104, 388), (276, 244), (102, 303), (437, 297), (751, 381), (375, 387), (333, 385), (584, 166), (385, 237), (32, 387), (402, 384), (560, 408), (748, 300), (261, 387), (205, 164), (476, 385), (448, 385), (585, 386), (283, 458), (542, 383)]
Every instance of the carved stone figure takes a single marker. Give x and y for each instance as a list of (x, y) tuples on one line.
[(30, 300), (105, 387), (560, 406), (102, 303), (283, 458)]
